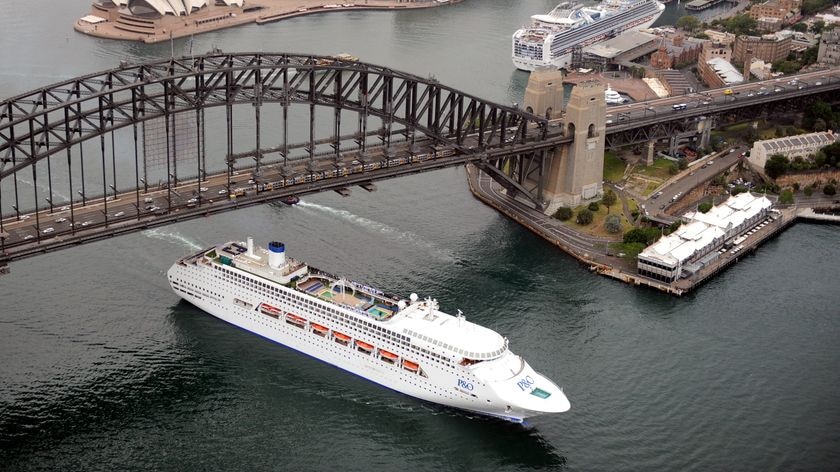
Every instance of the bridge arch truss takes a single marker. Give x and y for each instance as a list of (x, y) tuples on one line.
[(74, 123)]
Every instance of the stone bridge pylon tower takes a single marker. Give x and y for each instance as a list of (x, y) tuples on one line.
[(575, 172)]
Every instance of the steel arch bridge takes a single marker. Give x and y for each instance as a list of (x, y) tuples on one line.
[(78, 159)]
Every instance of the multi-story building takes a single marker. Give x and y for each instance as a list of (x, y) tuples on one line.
[(791, 146), (697, 243), (720, 37), (679, 50), (829, 51), (768, 48), (714, 67), (774, 13)]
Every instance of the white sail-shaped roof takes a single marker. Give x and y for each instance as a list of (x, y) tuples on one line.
[(174, 7), (162, 6), (178, 6), (194, 5)]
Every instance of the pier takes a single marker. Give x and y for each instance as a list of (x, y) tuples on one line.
[(594, 252), (697, 5)]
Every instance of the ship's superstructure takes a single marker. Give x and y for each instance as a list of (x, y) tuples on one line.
[(612, 97), (406, 345), (551, 38)]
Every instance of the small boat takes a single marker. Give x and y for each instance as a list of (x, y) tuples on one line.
[(388, 357), (341, 338), (410, 366), (295, 320), (363, 345), (320, 329), (290, 200), (612, 97), (269, 310)]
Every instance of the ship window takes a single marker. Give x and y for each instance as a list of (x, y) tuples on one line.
[(538, 392)]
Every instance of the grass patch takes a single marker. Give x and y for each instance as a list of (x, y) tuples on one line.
[(630, 250), (651, 186), (659, 169), (613, 167), (597, 227)]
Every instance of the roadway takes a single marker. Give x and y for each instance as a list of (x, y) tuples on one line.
[(707, 102), (701, 171)]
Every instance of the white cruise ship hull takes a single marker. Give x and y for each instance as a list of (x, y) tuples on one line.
[(563, 61), (458, 388)]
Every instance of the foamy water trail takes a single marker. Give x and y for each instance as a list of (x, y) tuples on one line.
[(172, 237), (394, 234), (44, 189)]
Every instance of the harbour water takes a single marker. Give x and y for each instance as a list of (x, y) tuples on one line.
[(104, 369)]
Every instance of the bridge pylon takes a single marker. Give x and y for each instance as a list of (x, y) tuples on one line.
[(544, 93), (576, 171)]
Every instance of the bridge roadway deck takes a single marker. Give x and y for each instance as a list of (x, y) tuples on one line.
[(136, 210), (635, 115)]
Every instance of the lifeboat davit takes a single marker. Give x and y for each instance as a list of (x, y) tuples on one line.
[(410, 366)]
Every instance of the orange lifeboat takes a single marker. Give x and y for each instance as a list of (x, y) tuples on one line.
[(364, 345), (269, 310), (295, 319), (388, 355), (341, 336), (319, 328), (410, 366)]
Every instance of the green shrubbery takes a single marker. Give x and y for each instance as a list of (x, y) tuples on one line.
[(563, 213)]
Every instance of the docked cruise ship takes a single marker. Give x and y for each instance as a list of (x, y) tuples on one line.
[(407, 345), (551, 38)]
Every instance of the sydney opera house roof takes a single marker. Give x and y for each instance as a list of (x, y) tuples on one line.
[(169, 7)]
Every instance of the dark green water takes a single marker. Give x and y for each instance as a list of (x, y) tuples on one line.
[(104, 369)]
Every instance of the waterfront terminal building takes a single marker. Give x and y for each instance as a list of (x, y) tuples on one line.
[(703, 238)]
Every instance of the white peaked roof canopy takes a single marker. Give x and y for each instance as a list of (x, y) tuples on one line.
[(174, 7)]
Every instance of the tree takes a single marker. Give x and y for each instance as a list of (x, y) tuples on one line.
[(738, 189), (808, 191), (829, 189), (741, 24), (786, 197), (809, 7), (563, 213), (646, 236), (613, 224), (776, 165), (609, 199), (593, 206), (817, 26), (688, 23), (819, 111), (682, 164), (704, 207), (800, 27), (584, 217), (673, 169)]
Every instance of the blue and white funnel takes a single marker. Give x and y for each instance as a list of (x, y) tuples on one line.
[(276, 254)]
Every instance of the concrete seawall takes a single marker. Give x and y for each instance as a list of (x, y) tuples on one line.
[(608, 266)]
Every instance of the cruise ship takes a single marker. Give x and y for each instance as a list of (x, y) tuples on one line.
[(408, 345), (551, 38)]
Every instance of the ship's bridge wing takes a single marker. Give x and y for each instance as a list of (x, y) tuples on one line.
[(445, 332)]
